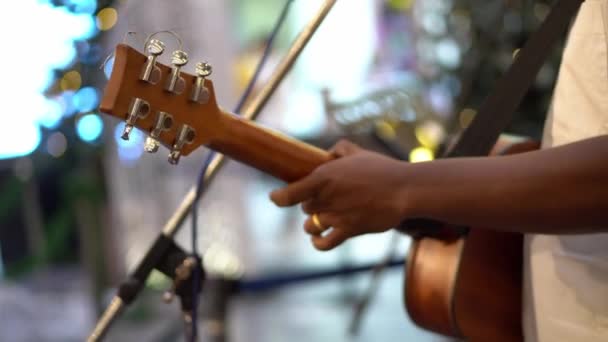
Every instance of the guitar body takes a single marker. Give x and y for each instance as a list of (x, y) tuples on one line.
[(468, 286)]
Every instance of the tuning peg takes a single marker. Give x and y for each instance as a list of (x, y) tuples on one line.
[(150, 72), (185, 136), (200, 93), (138, 109), (164, 121), (175, 83)]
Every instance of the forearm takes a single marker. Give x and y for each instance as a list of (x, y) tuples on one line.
[(561, 190)]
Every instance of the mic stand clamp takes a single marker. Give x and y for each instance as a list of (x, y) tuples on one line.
[(171, 260)]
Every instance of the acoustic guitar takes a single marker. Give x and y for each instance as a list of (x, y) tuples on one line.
[(467, 282), (458, 285)]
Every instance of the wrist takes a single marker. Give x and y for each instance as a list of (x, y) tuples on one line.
[(409, 191)]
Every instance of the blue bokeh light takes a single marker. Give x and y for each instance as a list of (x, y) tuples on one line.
[(52, 115), (47, 31), (81, 6), (18, 142), (129, 150), (89, 127), (86, 99), (85, 26), (66, 100)]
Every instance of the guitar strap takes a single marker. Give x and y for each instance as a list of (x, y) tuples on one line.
[(497, 109)]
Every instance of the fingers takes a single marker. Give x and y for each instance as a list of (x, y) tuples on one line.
[(325, 221), (297, 191), (344, 148), (331, 240), (312, 206), (331, 236)]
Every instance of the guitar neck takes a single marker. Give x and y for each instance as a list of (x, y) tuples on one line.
[(266, 150)]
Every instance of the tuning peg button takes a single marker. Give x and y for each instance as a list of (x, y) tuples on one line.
[(138, 109), (200, 93), (151, 73), (175, 83), (185, 136), (164, 121)]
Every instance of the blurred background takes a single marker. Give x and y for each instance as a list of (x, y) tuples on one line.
[(79, 206)]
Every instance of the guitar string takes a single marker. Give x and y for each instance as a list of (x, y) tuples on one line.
[(201, 176)]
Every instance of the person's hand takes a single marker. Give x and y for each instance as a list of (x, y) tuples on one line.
[(357, 193)]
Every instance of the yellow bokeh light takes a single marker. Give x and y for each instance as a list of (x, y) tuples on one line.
[(401, 5), (421, 154), (386, 130), (107, 18), (71, 81), (429, 133)]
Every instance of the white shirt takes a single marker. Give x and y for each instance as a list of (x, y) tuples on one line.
[(566, 277)]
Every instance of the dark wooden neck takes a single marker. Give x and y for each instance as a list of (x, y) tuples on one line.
[(266, 150)]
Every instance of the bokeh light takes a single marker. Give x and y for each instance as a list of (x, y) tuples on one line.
[(52, 114), (81, 6), (66, 101), (45, 40), (448, 53), (86, 99), (71, 81), (56, 144), (89, 127), (129, 150), (430, 134), (107, 18), (421, 154)]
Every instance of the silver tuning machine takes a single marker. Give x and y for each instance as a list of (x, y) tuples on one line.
[(150, 72), (138, 109), (175, 83), (185, 136), (200, 93), (164, 121)]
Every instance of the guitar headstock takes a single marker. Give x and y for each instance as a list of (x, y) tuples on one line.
[(174, 108)]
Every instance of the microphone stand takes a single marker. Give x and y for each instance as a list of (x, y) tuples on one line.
[(164, 248)]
